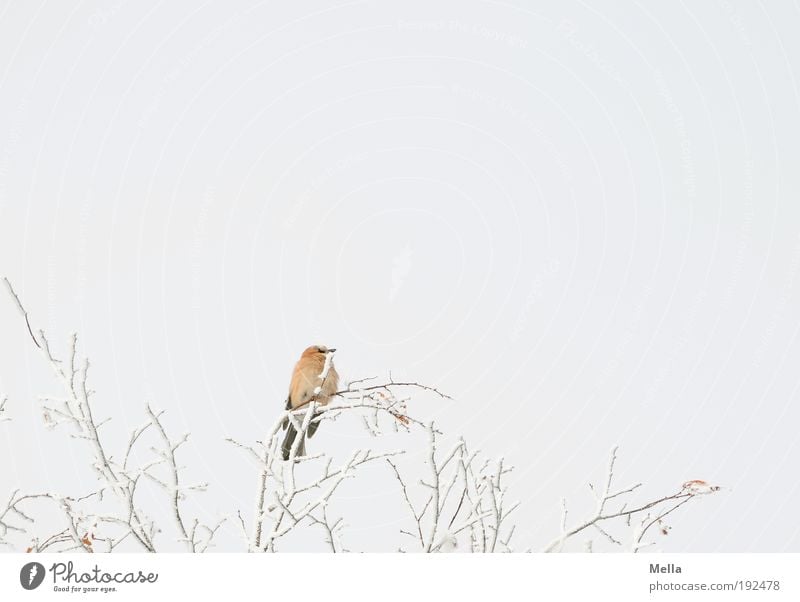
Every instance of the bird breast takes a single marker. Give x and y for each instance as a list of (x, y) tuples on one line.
[(306, 380)]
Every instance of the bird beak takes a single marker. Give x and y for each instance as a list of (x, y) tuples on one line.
[(331, 350)]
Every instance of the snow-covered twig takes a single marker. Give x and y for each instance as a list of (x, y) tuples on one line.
[(458, 498), (280, 498), (332, 530), (602, 514), (647, 522), (76, 410), (388, 386), (174, 487), (13, 518), (462, 497)]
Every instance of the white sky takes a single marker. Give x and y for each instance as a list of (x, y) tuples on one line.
[(580, 222)]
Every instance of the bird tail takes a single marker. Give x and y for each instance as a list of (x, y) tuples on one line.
[(314, 425), (288, 442)]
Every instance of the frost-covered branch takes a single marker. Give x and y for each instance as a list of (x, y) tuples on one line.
[(458, 498), (12, 515), (176, 491), (16, 517), (283, 502), (332, 530), (75, 409), (355, 387), (659, 508)]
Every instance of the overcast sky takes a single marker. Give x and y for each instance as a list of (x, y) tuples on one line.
[(582, 223)]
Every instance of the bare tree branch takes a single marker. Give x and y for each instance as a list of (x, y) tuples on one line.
[(21, 309), (461, 499), (602, 515), (76, 409)]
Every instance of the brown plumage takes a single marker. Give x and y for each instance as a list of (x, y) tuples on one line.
[(305, 380)]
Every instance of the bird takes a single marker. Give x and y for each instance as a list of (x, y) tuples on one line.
[(309, 383)]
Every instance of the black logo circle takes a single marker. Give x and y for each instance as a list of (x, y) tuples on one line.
[(31, 575)]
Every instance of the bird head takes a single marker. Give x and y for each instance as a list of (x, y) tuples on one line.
[(318, 349)]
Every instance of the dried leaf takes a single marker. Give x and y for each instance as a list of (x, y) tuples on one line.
[(401, 418)]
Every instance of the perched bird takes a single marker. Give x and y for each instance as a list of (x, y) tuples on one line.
[(310, 382)]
